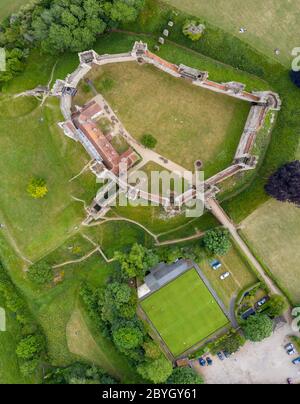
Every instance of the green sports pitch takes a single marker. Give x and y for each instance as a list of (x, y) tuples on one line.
[(184, 312)]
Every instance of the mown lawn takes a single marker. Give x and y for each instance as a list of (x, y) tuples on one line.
[(33, 146), (184, 312), (270, 24), (9, 6), (9, 365), (241, 276), (274, 233), (188, 122)]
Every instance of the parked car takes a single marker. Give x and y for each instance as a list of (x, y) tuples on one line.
[(210, 362), (215, 265), (220, 356), (296, 361), (224, 276), (290, 349), (226, 354), (291, 352), (202, 362), (262, 302)]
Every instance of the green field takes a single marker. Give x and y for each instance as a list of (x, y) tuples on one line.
[(184, 312), (270, 24), (241, 276), (198, 123), (274, 232), (9, 6)]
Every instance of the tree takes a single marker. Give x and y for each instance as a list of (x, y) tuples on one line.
[(149, 141), (37, 188), (137, 261), (284, 185), (40, 273), (152, 350), (217, 241), (30, 347), (277, 305), (156, 371), (193, 29), (127, 336), (257, 328), (184, 375), (119, 301), (295, 77)]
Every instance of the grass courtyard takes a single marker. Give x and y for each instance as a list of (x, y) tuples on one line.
[(188, 122), (9, 6), (184, 312), (273, 231)]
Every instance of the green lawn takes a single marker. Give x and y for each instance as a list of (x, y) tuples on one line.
[(32, 145), (9, 6), (188, 122), (184, 312), (270, 24), (241, 276), (273, 231), (9, 365)]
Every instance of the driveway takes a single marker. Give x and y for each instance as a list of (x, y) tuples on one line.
[(256, 363)]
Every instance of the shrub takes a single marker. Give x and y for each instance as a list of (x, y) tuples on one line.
[(41, 273), (37, 188), (149, 141), (276, 306), (193, 29), (30, 347)]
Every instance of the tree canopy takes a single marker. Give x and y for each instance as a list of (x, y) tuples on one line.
[(217, 241), (157, 371), (257, 328), (149, 141), (184, 375), (295, 77), (284, 185), (37, 188), (40, 273), (137, 261), (277, 305)]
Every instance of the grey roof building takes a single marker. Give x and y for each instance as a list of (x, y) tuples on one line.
[(161, 275)]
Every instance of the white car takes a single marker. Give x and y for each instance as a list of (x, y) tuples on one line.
[(224, 276)]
